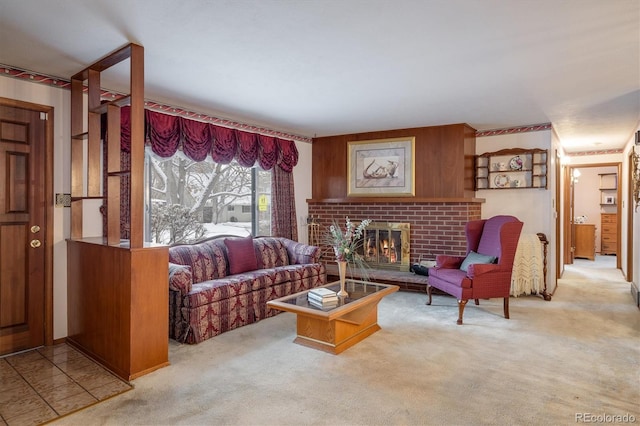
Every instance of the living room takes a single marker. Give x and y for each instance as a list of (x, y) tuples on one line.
[(537, 208)]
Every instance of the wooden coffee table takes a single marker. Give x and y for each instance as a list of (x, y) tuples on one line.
[(335, 329)]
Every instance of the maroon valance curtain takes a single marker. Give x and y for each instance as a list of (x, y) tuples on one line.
[(166, 134)]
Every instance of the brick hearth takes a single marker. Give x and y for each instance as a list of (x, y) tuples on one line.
[(407, 281)]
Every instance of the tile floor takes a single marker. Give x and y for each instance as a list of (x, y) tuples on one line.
[(40, 385)]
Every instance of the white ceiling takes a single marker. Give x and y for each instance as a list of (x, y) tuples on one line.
[(326, 67)]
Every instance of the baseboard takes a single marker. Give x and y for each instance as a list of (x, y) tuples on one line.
[(635, 293)]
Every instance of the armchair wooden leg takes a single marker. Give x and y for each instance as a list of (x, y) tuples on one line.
[(477, 301), (429, 293), (506, 307), (461, 305)]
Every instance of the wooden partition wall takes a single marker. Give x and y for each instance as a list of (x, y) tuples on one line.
[(118, 299)]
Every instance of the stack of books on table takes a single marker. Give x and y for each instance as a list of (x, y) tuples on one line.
[(322, 297)]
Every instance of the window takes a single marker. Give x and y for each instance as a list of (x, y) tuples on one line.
[(188, 201)]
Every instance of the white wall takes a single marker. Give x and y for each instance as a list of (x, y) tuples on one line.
[(530, 205), (302, 182), (60, 100), (533, 206)]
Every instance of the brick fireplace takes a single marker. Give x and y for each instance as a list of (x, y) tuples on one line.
[(435, 227)]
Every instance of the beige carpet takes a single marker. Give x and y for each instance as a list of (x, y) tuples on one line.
[(577, 355)]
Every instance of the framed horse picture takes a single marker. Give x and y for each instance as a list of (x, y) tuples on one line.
[(381, 168)]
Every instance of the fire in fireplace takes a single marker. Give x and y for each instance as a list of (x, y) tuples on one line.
[(386, 245)]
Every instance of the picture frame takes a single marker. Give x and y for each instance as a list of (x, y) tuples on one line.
[(381, 167), (609, 199)]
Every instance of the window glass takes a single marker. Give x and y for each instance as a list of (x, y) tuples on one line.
[(262, 181), (189, 201)]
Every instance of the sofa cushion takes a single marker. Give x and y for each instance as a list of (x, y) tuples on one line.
[(474, 257), (207, 292), (271, 252), (456, 277), (304, 277), (180, 278), (275, 276), (207, 260), (301, 253), (241, 255)]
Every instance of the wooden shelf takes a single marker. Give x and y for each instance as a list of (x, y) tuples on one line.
[(97, 197), (513, 168), (608, 181), (608, 189), (120, 173), (103, 107), (81, 136)]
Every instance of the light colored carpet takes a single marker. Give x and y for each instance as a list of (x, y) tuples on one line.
[(578, 354)]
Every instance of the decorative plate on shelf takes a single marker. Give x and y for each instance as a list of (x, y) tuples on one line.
[(516, 163), (501, 181)]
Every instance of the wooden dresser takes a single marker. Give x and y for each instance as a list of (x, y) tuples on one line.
[(608, 233), (585, 241)]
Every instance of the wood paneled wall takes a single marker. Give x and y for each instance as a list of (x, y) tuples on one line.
[(444, 161)]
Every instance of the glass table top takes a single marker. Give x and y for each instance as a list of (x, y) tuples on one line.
[(356, 289)]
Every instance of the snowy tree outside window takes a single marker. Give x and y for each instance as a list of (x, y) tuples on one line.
[(189, 201)]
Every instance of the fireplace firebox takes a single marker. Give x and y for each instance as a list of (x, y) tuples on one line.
[(386, 245)]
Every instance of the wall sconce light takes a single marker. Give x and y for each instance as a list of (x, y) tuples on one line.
[(575, 175)]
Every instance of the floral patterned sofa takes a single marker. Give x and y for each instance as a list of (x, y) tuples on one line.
[(224, 283)]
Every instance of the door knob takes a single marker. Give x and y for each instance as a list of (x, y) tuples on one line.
[(35, 229), (35, 243)]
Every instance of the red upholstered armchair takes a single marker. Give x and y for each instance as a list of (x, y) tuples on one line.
[(488, 241)]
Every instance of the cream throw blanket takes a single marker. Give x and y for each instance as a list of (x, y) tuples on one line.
[(528, 266)]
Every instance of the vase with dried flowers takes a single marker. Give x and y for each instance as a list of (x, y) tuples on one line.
[(345, 244)]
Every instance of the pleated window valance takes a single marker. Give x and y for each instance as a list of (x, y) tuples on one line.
[(167, 133)]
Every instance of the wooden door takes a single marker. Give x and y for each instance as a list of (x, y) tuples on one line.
[(22, 229)]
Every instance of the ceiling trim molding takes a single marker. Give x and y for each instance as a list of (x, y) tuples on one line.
[(48, 80), (512, 130), (11, 71), (600, 152)]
